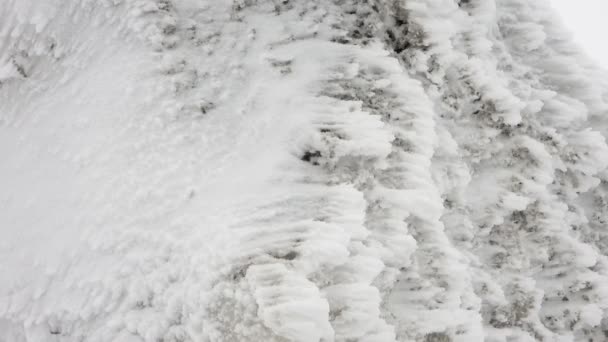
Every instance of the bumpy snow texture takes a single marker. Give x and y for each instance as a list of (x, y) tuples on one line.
[(300, 170)]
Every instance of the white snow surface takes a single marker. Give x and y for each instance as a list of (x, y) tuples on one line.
[(291, 170)]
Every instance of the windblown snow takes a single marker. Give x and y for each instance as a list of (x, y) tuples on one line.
[(300, 170)]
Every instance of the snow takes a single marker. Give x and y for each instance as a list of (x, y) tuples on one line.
[(180, 170)]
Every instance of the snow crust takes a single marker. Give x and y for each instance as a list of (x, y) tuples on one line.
[(257, 170)]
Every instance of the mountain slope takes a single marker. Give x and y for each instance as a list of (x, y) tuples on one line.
[(181, 170)]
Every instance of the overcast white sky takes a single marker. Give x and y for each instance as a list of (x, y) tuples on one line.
[(588, 19)]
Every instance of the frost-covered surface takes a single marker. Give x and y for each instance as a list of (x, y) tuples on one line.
[(290, 170)]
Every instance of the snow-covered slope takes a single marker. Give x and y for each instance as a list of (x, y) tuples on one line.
[(290, 170)]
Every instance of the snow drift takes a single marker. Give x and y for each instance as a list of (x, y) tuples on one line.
[(348, 170)]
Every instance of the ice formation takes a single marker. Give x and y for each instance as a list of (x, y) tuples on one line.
[(300, 170)]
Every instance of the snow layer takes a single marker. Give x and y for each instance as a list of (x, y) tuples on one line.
[(348, 170)]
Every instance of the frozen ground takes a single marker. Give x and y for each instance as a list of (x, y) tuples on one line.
[(346, 170)]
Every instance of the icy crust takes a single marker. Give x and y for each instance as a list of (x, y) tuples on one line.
[(421, 170), (97, 240)]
